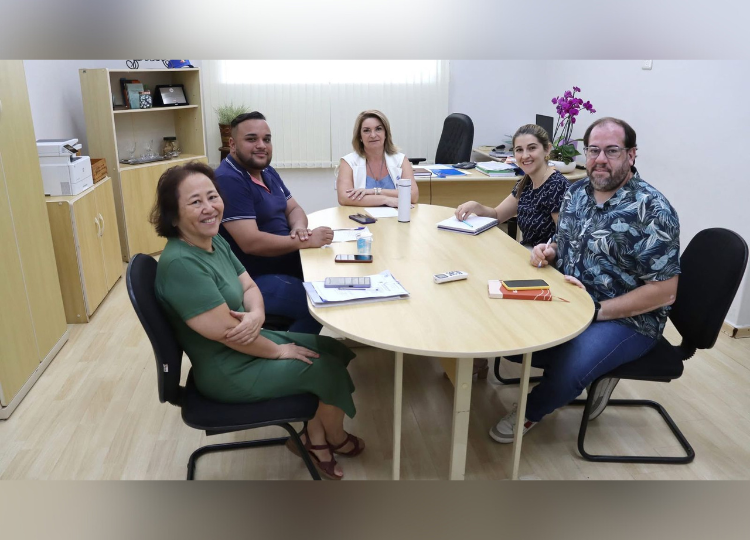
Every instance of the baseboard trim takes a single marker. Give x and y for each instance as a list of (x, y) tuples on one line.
[(735, 332), (5, 412)]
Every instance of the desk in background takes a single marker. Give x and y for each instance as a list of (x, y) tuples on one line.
[(474, 186), (455, 322)]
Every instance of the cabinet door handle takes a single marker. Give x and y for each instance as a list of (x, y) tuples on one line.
[(98, 227), (101, 218)]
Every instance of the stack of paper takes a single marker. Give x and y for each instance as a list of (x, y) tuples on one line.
[(496, 169), (383, 287)]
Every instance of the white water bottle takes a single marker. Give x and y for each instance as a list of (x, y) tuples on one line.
[(404, 200)]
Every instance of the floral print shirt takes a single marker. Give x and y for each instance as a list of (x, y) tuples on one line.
[(616, 247)]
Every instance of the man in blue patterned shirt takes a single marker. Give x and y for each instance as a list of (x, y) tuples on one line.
[(619, 239)]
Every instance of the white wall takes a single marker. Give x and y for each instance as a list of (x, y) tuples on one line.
[(498, 95), (691, 118)]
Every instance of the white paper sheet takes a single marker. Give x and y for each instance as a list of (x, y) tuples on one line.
[(350, 235), (381, 211)]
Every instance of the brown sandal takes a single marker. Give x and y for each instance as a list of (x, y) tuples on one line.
[(357, 450), (325, 468)]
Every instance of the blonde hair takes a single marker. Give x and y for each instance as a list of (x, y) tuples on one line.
[(359, 146)]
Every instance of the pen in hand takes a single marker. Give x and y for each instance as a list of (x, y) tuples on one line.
[(545, 248)]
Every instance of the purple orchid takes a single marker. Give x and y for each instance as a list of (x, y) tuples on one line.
[(568, 107)]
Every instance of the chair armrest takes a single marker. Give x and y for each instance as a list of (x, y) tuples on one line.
[(417, 160)]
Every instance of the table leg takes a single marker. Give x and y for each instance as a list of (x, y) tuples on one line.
[(461, 403), (398, 383), (449, 366), (525, 372)]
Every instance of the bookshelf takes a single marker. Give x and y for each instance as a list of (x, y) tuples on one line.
[(111, 134)]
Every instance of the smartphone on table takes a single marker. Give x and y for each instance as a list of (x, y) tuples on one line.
[(353, 258), (524, 284), (362, 218)]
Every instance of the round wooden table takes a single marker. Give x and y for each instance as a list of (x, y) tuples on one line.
[(455, 320)]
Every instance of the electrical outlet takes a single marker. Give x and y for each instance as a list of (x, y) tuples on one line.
[(647, 64)]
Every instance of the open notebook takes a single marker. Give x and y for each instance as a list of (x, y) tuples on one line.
[(471, 225)]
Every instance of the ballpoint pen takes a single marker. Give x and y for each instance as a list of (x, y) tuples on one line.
[(350, 229), (545, 248), (467, 223)]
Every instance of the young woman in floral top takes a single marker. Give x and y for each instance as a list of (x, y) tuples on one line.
[(536, 198)]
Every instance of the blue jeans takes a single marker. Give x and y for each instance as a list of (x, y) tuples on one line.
[(572, 366), (284, 295)]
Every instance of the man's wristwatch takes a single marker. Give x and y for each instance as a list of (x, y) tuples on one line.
[(378, 190), (597, 307)]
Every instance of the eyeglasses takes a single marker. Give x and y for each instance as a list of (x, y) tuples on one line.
[(611, 152)]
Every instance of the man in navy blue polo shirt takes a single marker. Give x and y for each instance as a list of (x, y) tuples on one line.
[(263, 223)]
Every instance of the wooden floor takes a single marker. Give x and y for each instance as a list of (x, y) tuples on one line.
[(95, 414)]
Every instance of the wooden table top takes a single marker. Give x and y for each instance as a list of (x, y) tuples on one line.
[(456, 319)]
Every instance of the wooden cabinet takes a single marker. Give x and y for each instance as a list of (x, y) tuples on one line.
[(87, 248), (111, 134), (138, 194), (32, 320)]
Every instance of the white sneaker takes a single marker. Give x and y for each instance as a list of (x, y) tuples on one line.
[(602, 395), (505, 428)]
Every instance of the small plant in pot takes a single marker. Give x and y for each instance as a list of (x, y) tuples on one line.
[(225, 114)]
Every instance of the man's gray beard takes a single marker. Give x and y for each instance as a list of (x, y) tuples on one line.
[(613, 182)]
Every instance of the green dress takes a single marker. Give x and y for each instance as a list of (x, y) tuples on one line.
[(191, 281)]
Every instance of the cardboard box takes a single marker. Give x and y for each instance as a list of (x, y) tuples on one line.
[(98, 169)]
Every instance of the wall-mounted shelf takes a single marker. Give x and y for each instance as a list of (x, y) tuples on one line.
[(154, 109)]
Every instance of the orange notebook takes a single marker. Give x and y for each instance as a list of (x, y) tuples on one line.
[(497, 290)]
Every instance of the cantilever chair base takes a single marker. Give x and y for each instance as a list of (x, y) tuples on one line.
[(586, 403), (210, 448)]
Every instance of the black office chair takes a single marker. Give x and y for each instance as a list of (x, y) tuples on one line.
[(277, 322), (717, 257), (456, 140), (199, 412)]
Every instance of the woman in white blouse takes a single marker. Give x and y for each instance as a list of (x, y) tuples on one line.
[(369, 175)]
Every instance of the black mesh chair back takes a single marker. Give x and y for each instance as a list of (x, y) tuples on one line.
[(140, 278), (712, 267), (456, 140)]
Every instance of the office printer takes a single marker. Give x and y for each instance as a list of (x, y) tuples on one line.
[(63, 173)]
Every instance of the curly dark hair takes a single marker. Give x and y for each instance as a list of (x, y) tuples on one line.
[(166, 210)]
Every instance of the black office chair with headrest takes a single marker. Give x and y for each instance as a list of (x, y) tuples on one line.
[(456, 141), (714, 256), (199, 412)]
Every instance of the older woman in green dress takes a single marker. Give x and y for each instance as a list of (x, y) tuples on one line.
[(217, 313)]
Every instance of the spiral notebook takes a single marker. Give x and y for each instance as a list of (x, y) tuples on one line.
[(471, 225)]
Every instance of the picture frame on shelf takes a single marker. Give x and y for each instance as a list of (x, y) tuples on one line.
[(169, 95)]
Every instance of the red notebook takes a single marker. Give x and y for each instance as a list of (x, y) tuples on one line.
[(497, 290)]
